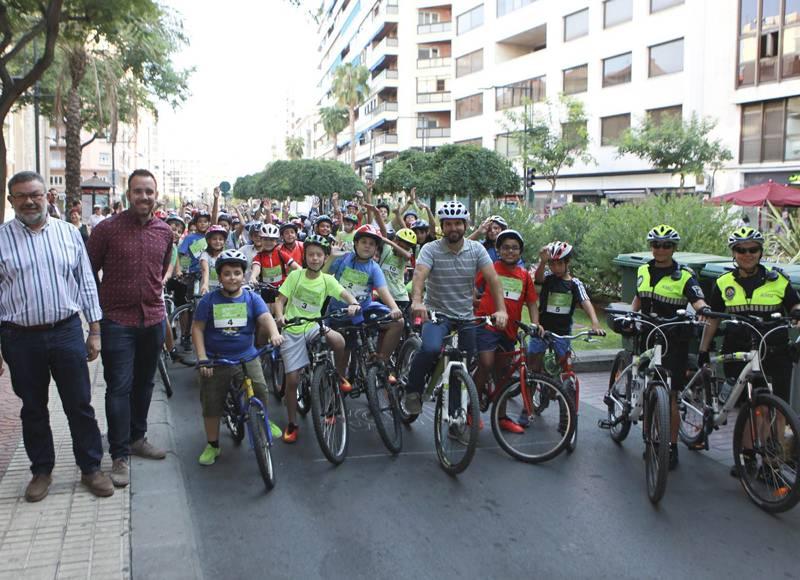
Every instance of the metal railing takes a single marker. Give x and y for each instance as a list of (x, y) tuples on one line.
[(434, 27), (384, 107), (433, 132), (441, 97), (434, 62)]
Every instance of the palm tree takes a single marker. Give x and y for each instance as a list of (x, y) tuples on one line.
[(294, 147), (334, 120), (350, 88)]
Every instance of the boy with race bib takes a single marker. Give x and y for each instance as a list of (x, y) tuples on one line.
[(272, 263)]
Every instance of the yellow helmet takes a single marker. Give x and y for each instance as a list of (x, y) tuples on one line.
[(407, 235)]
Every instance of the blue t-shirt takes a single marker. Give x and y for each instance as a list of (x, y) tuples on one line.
[(193, 245), (357, 277), (230, 323)]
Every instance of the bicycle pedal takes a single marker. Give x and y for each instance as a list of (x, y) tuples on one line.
[(604, 424)]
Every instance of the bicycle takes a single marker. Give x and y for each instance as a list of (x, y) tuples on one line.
[(766, 456), (164, 357), (456, 424), (244, 412), (175, 324), (639, 388), (271, 362), (319, 390), (527, 395)]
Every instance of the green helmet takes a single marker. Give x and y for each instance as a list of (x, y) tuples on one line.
[(745, 234), (315, 239), (663, 233)]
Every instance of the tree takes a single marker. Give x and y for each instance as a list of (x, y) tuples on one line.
[(350, 88), (411, 168), (20, 25), (334, 120), (551, 140), (294, 147), (299, 177), (674, 145)]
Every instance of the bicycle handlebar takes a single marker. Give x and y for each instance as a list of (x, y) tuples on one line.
[(337, 314), (224, 362)]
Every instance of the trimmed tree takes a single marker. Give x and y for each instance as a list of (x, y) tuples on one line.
[(300, 177)]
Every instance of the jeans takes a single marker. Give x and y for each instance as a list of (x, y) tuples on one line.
[(130, 357), (32, 355), (433, 336)]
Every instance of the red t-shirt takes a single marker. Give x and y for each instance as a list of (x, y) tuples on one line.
[(274, 265), (296, 253), (518, 289)]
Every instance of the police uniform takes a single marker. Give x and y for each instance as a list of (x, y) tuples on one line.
[(662, 292), (762, 294)]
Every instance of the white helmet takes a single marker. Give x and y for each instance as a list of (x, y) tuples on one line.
[(453, 210), (230, 257), (270, 231)]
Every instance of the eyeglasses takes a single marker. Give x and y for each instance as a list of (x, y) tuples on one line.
[(36, 196), (509, 248), (750, 250), (662, 245)]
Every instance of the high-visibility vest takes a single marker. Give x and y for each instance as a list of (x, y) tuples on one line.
[(765, 299), (668, 290)]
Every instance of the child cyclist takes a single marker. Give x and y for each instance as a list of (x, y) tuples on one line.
[(345, 235), (227, 323), (518, 291), (215, 240), (394, 258), (559, 296), (272, 264), (303, 295)]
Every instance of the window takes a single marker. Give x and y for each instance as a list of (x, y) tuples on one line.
[(515, 94), (506, 6), (617, 70), (428, 17), (469, 20), (658, 5), (56, 180), (506, 145), (427, 52), (658, 116), (469, 106), (431, 85), (770, 131), (616, 12), (576, 24), (469, 63), (612, 128), (666, 58), (769, 41), (576, 79)]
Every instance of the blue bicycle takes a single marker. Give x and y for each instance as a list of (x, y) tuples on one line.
[(244, 412)]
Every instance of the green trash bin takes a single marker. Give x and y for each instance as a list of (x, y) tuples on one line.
[(629, 263)]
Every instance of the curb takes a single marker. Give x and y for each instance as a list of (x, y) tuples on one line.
[(594, 361), (163, 543)]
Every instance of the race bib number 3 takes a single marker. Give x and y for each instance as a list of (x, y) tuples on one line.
[(512, 288), (559, 303), (309, 302), (230, 315), (356, 282)]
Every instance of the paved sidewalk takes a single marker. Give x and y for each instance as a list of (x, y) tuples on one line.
[(71, 533)]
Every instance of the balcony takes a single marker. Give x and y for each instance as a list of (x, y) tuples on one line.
[(433, 132), (434, 27), (388, 77), (444, 61), (386, 139), (388, 45), (385, 107), (441, 97)]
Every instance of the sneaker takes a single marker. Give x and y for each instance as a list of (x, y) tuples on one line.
[(186, 343), (143, 448), (412, 403), (120, 473), (673, 456), (38, 487), (275, 430), (290, 435), (507, 424), (209, 455), (98, 483), (345, 386), (480, 422)]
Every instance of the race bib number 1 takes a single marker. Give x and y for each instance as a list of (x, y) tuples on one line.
[(512, 288), (230, 315)]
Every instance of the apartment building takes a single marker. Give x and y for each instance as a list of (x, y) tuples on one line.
[(406, 44), (737, 61)]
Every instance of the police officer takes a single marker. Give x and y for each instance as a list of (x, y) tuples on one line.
[(663, 287)]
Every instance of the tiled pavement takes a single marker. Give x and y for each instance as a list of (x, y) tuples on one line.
[(71, 533)]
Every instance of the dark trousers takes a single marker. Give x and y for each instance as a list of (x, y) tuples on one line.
[(32, 355), (130, 357)]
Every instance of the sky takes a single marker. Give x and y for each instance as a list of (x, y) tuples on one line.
[(250, 56)]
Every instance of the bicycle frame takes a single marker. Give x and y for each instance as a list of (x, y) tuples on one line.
[(653, 359)]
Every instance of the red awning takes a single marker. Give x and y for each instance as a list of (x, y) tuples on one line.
[(758, 195)]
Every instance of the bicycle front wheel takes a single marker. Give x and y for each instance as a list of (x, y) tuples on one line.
[(163, 359), (766, 449), (182, 340), (618, 398), (407, 352), (572, 387), (656, 439), (329, 413), (691, 410), (304, 393), (456, 422), (382, 399), (546, 433), (231, 416), (257, 423)]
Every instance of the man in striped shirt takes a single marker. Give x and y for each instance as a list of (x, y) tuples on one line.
[(45, 281)]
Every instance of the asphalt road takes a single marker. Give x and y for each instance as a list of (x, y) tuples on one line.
[(581, 516)]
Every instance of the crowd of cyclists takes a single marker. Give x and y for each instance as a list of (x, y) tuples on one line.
[(255, 270)]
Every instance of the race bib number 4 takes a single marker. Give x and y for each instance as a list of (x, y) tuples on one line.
[(356, 282), (559, 303), (230, 315), (512, 288)]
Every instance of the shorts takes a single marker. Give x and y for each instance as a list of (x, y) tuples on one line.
[(491, 340), (178, 290), (214, 389), (537, 346), (294, 351)]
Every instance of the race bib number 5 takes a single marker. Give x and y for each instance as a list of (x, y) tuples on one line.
[(230, 315), (559, 303)]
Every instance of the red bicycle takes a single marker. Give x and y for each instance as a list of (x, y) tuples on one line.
[(541, 405)]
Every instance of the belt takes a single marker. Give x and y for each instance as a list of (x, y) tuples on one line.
[(40, 326)]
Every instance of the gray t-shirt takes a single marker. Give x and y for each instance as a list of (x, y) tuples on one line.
[(452, 277)]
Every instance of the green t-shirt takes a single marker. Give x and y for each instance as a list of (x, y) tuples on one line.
[(174, 260), (394, 268), (342, 236), (305, 297)]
